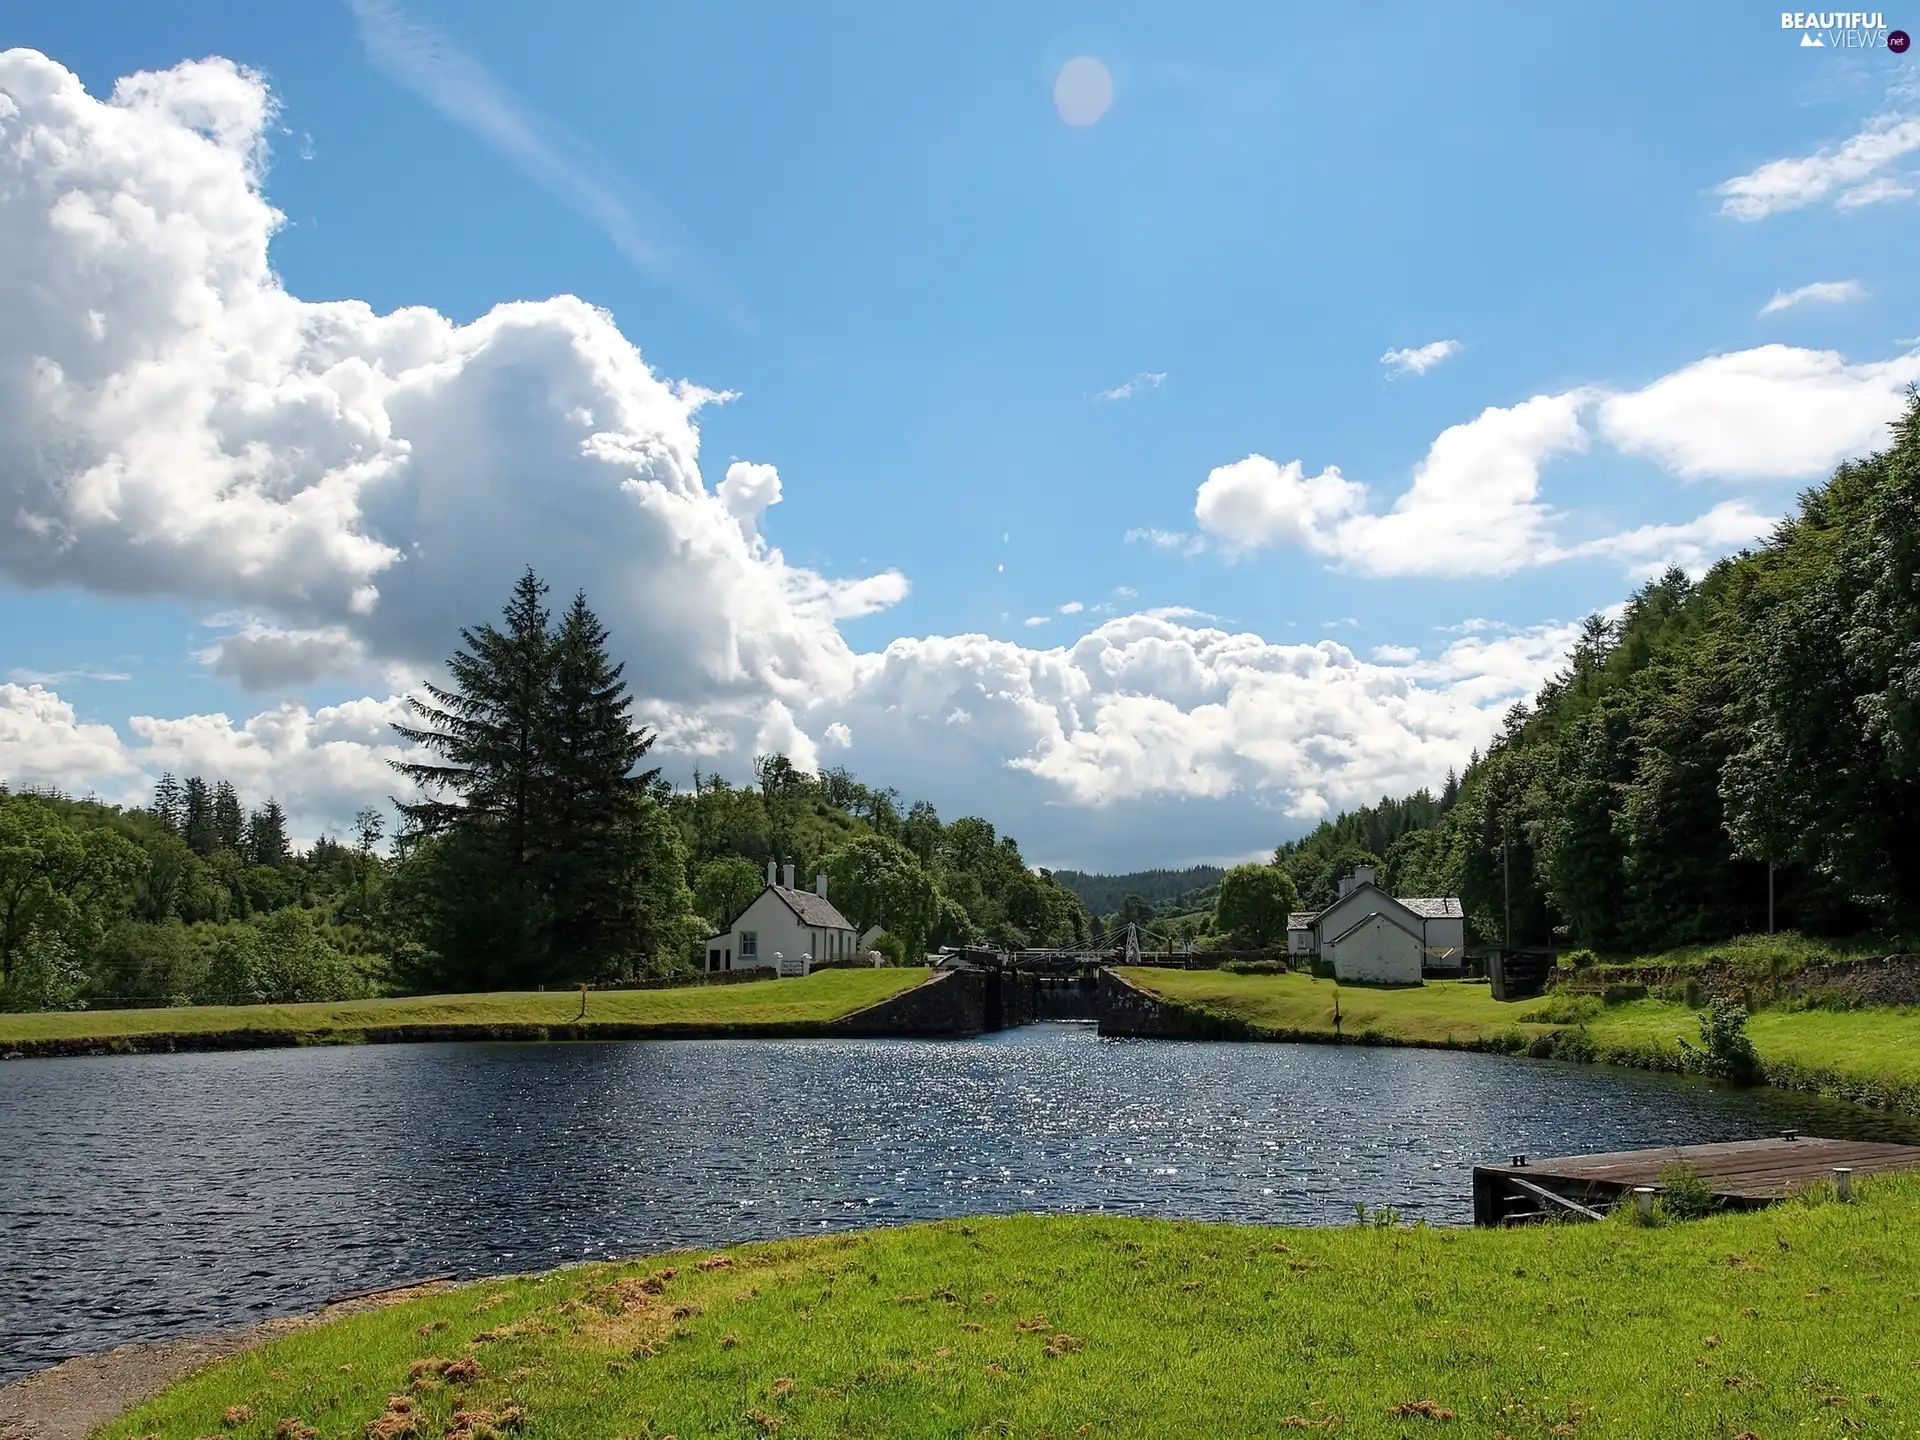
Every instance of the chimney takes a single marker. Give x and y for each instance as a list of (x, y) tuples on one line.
[(773, 873), (820, 884), (788, 874), (1356, 876)]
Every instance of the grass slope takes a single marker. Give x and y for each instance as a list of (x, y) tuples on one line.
[(1870, 1054), (1801, 1320), (825, 995)]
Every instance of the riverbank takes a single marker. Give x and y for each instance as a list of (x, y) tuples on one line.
[(1868, 1056), (1800, 1318), (769, 1007)]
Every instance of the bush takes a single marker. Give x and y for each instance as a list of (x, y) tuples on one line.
[(1685, 1194), (1578, 959), (891, 946), (1254, 967), (1725, 1051), (1323, 970)]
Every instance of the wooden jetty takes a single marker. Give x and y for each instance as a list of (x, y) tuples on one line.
[(1743, 1174)]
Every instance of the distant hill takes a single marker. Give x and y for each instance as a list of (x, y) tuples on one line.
[(1102, 894)]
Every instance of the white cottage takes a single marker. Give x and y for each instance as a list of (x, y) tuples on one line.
[(787, 929), (1369, 935)]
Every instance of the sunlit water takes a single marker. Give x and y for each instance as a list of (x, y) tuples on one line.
[(155, 1195)]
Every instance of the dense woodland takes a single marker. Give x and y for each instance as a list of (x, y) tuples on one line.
[(1767, 716), (543, 851)]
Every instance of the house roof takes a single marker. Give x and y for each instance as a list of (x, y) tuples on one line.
[(814, 910), (1301, 919), (1385, 915), (1435, 907)]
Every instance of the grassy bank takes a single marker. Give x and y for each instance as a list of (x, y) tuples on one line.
[(827, 995), (1871, 1055), (1800, 1320)]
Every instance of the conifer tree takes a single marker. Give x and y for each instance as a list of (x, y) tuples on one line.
[(169, 804), (196, 815), (266, 837), (229, 819)]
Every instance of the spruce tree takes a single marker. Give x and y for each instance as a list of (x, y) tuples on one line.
[(593, 797), (229, 820), (266, 838), (169, 804), (483, 795), (196, 815)]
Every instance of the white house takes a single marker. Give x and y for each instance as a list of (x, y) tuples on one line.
[(784, 928), (1370, 935)]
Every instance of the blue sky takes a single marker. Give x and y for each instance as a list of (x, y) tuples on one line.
[(922, 285)]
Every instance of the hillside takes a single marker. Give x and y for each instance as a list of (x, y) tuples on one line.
[(1729, 746), (1103, 894)]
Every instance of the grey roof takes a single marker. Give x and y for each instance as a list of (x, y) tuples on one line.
[(1385, 915), (1301, 919), (814, 910), (1435, 907)]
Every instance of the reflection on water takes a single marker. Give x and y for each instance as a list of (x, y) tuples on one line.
[(151, 1195)]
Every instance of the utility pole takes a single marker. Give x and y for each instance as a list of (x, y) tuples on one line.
[(1506, 885)]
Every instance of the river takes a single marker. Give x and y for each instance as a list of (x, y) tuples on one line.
[(146, 1196)]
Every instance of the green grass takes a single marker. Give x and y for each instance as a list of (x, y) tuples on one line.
[(1867, 1054), (1762, 955), (1802, 1320), (826, 995)]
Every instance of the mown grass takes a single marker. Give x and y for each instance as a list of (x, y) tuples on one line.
[(1866, 1054), (826, 995), (1800, 1320)]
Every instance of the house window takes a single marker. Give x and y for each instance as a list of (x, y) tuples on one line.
[(749, 944)]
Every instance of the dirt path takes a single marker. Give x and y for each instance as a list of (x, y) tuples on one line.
[(76, 1397)]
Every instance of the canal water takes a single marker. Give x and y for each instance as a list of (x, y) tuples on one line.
[(147, 1196)]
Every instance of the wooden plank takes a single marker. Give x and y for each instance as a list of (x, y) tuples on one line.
[(1540, 1192), (1738, 1169)]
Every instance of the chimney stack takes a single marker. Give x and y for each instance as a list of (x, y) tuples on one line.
[(773, 873), (820, 884), (788, 872)]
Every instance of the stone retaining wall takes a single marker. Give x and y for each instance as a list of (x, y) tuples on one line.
[(1883, 980)]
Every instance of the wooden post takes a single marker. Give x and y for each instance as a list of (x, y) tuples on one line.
[(1769, 897), (1643, 1201), (1843, 1181), (583, 1001)]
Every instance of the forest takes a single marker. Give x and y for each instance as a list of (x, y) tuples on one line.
[(541, 850), (1754, 732)]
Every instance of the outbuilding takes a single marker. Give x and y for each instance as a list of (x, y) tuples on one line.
[(786, 929)]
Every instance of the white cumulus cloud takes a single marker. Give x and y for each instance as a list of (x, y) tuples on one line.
[(173, 421), (1776, 412)]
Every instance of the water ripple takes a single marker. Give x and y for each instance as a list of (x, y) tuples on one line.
[(152, 1195)]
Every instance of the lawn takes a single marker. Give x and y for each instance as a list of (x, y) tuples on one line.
[(1802, 1320), (1871, 1054), (825, 995)]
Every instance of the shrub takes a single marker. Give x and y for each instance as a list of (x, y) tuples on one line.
[(1578, 959), (1323, 970), (1684, 1192), (1725, 1051), (891, 946), (1564, 1010)]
